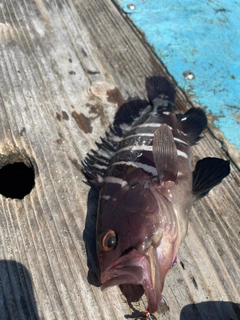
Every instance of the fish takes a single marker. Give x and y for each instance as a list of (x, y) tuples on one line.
[(144, 171)]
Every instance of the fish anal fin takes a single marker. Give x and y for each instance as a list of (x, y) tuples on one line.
[(165, 154), (193, 122), (208, 173)]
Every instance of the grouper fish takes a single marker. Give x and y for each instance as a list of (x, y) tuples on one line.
[(147, 186)]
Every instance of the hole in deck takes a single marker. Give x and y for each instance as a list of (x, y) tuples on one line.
[(16, 180)]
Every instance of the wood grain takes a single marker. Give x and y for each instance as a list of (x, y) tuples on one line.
[(65, 68)]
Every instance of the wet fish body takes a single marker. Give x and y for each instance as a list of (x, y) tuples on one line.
[(144, 170)]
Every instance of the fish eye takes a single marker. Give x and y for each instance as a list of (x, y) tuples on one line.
[(109, 240)]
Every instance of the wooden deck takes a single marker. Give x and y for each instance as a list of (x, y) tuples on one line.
[(65, 67)]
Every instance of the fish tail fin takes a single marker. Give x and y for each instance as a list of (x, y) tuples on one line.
[(161, 92)]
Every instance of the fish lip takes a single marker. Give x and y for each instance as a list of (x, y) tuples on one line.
[(133, 268)]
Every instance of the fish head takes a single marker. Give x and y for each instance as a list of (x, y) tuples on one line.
[(136, 240)]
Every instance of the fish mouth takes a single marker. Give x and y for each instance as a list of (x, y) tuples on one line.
[(137, 269)]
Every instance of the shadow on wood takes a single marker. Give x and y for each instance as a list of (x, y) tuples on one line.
[(211, 310), (17, 299), (89, 237)]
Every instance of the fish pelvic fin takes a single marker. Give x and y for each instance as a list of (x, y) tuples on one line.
[(165, 154), (193, 122), (161, 93), (208, 173)]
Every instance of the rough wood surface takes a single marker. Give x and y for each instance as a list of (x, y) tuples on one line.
[(65, 67)]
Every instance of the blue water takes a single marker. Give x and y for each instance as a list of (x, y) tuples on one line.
[(203, 38)]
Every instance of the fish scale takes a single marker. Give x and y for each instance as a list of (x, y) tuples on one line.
[(147, 188)]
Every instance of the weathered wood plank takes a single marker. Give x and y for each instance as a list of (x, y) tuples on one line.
[(65, 67)]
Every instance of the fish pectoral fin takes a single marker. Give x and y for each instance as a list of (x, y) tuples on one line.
[(193, 122), (165, 154), (208, 173)]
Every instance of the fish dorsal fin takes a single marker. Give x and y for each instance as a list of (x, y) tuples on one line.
[(127, 113), (165, 154), (208, 173), (193, 122)]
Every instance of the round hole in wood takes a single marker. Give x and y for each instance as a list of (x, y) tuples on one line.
[(16, 180)]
